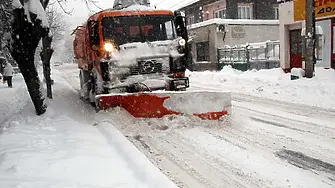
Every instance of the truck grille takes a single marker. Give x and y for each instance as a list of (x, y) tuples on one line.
[(146, 67)]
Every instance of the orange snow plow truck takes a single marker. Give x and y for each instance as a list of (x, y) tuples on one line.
[(135, 58)]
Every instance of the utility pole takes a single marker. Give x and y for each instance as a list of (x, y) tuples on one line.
[(310, 59)]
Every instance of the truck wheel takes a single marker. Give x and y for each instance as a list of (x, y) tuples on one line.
[(84, 78), (96, 86)]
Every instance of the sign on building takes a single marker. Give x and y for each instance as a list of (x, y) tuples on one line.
[(237, 32), (323, 8)]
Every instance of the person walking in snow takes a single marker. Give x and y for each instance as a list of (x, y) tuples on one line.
[(8, 74)]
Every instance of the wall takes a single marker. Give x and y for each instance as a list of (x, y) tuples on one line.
[(196, 10), (242, 34), (204, 34), (262, 9), (287, 23), (212, 7), (250, 33)]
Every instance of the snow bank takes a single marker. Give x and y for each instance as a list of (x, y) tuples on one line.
[(271, 83)]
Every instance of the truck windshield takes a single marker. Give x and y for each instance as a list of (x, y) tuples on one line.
[(138, 28)]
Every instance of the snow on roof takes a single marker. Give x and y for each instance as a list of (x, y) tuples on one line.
[(234, 22)]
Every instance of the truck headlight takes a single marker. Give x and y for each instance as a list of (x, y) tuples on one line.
[(182, 42), (109, 47)]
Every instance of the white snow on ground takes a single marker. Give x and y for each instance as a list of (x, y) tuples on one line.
[(9, 97), (72, 146), (62, 148), (272, 83)]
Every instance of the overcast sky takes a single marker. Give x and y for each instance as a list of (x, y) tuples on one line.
[(80, 11)]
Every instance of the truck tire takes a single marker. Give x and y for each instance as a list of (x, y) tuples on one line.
[(84, 78), (96, 86)]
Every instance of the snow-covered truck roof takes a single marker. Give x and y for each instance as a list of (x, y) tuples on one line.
[(130, 11)]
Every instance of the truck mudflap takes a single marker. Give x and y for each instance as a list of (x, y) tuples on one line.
[(204, 104)]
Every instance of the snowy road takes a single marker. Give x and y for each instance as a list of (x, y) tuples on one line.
[(263, 147), (269, 143)]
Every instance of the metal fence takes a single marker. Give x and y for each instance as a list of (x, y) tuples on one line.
[(263, 55)]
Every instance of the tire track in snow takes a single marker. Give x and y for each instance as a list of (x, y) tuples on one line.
[(303, 161)]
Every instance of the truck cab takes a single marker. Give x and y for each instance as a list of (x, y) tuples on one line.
[(132, 49)]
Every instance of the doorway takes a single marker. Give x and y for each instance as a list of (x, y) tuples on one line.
[(296, 48)]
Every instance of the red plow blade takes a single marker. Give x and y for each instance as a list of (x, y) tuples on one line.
[(205, 105)]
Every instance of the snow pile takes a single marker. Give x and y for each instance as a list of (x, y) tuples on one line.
[(271, 83)]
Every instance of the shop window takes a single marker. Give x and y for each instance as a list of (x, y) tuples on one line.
[(202, 51)]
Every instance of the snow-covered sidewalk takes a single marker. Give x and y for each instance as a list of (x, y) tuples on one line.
[(272, 83), (69, 146), (9, 97)]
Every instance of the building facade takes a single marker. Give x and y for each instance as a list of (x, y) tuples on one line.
[(203, 10), (206, 37), (292, 34)]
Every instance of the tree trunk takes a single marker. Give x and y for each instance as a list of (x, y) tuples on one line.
[(310, 39), (46, 55), (26, 37)]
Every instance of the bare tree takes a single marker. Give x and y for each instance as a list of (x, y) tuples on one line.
[(27, 27), (56, 26), (57, 21), (5, 18)]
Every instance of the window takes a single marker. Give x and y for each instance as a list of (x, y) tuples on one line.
[(220, 14), (129, 29), (94, 33), (191, 20), (203, 51), (276, 9), (244, 12)]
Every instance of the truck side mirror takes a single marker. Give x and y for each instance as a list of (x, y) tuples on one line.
[(180, 23)]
